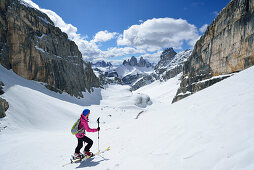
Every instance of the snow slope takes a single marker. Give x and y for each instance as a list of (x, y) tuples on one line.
[(123, 70), (211, 130), (162, 91)]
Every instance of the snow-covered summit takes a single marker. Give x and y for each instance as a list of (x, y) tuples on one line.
[(179, 59), (170, 60)]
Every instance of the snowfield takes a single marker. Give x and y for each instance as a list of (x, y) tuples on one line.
[(123, 70), (209, 130)]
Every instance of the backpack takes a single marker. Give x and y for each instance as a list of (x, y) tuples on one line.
[(74, 129)]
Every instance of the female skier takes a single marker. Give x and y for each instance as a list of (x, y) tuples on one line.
[(83, 126)]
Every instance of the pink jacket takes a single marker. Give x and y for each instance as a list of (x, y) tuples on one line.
[(83, 125)]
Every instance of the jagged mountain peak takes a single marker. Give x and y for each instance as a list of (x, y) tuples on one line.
[(135, 62), (170, 59), (167, 54)]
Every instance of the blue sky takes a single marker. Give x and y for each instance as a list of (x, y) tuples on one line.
[(116, 29)]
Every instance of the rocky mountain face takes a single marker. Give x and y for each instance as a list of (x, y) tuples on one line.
[(165, 58), (3, 107), (35, 49), (109, 80), (106, 73), (170, 65), (3, 103), (225, 48), (130, 79), (90, 78), (134, 62), (1, 88), (143, 81)]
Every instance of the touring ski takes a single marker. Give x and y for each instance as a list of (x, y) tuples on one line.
[(86, 157)]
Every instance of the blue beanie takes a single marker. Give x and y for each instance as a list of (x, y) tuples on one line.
[(85, 112)]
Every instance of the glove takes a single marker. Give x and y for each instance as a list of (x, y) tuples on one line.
[(98, 128)]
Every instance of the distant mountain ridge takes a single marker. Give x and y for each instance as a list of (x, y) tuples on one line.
[(102, 64), (140, 73), (134, 62)]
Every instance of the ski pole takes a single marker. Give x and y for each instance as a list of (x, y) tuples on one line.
[(98, 121)]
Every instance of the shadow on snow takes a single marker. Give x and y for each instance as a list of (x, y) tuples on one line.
[(90, 162)]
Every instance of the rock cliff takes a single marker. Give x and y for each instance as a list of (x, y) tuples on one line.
[(3, 103), (167, 55), (226, 47), (171, 63), (134, 62), (3, 107), (145, 80), (35, 49)]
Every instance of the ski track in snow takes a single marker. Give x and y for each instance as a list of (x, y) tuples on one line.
[(211, 129)]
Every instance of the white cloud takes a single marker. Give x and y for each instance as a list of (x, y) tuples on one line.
[(203, 28), (116, 52), (88, 49), (153, 57), (158, 33), (116, 62), (103, 36)]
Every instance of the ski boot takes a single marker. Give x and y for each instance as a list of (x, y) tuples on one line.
[(77, 156), (89, 154)]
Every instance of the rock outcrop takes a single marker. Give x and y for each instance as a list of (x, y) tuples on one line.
[(144, 63), (3, 103), (35, 49), (3, 107), (90, 78), (145, 80), (226, 47), (109, 80), (171, 63), (167, 55), (134, 62), (131, 78), (1, 88)]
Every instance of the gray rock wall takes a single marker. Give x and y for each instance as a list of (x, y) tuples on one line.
[(165, 58), (226, 47), (35, 49), (3, 107)]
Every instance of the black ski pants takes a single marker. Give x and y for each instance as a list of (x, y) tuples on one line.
[(87, 140)]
